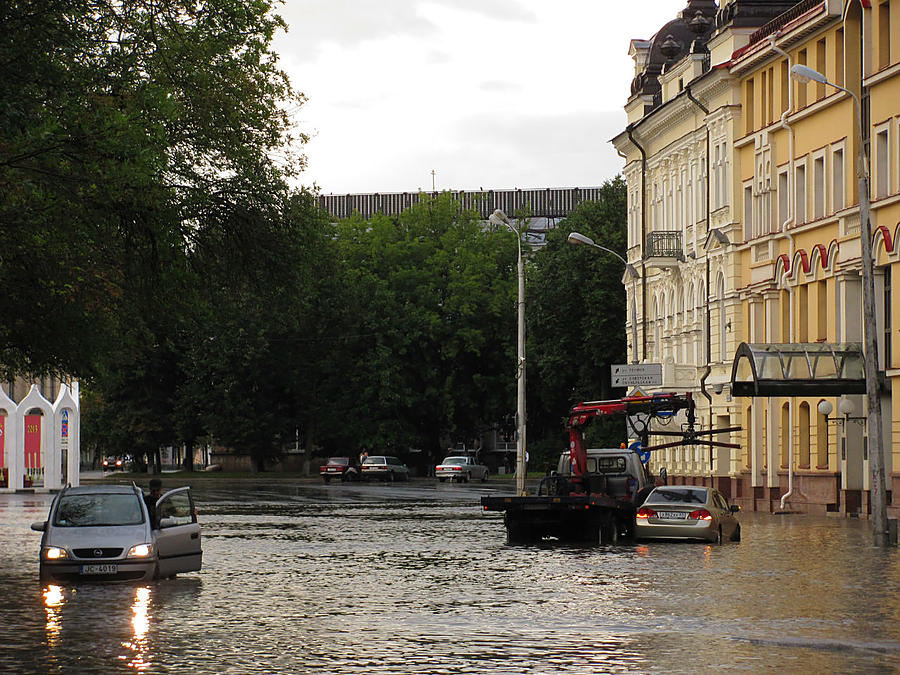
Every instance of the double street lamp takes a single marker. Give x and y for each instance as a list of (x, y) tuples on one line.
[(499, 219), (579, 239), (875, 433)]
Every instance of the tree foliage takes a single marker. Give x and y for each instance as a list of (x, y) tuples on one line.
[(576, 318), (433, 306), (126, 129), (152, 247)]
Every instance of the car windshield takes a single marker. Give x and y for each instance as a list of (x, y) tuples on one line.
[(94, 510), (677, 496), (339, 461), (454, 460), (374, 460)]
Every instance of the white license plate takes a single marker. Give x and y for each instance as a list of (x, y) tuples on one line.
[(99, 569), (671, 515)]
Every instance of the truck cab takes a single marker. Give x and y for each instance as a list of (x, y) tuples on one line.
[(615, 472)]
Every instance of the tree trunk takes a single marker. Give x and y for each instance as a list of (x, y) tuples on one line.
[(157, 460), (189, 455)]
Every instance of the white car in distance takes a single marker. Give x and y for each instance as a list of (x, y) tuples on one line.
[(460, 469)]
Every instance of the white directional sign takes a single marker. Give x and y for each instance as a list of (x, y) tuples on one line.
[(642, 374)]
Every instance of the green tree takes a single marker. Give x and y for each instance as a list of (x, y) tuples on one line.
[(125, 128), (433, 298), (576, 321)]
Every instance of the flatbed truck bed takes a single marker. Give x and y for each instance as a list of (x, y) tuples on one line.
[(593, 518)]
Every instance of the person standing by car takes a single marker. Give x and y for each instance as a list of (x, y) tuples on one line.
[(150, 500), (363, 455)]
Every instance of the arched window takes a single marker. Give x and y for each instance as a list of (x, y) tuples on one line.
[(785, 434), (803, 434), (821, 440)]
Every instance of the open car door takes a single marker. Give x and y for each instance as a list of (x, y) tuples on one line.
[(178, 537)]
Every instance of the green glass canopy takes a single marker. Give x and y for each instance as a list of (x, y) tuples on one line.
[(798, 369)]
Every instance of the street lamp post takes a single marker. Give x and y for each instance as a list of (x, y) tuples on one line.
[(580, 239), (499, 218), (875, 429)]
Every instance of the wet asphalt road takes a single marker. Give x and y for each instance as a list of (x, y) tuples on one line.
[(414, 578)]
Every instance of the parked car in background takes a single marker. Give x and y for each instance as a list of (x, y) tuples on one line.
[(459, 468), (344, 468), (384, 467), (687, 512), (104, 533)]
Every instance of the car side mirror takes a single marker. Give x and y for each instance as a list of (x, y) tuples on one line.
[(734, 508), (167, 522), (39, 526)]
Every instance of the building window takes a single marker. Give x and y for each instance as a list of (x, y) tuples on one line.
[(884, 35), (819, 187), (749, 107), (888, 328), (722, 321), (882, 157), (800, 194), (821, 441), (822, 311), (785, 434), (839, 57), (785, 85), (801, 88), (783, 198), (837, 180), (785, 316), (803, 312), (748, 213), (820, 66), (803, 433)]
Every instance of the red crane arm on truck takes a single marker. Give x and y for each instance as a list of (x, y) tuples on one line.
[(582, 413)]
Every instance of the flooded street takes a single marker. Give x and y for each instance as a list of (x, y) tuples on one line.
[(414, 578)]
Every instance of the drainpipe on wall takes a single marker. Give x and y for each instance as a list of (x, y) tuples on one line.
[(631, 138), (784, 228), (708, 369)]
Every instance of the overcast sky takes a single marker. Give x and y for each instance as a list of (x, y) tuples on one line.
[(487, 93)]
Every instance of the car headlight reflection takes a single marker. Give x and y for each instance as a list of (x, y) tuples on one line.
[(55, 553), (140, 551)]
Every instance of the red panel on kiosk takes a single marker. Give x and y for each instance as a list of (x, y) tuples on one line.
[(2, 440), (32, 441)]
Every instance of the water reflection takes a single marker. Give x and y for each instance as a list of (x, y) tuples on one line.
[(140, 624), (53, 602)]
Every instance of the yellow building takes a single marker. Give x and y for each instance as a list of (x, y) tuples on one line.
[(773, 257)]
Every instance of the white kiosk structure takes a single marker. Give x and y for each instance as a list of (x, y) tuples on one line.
[(40, 442)]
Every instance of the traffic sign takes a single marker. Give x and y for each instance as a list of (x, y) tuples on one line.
[(643, 374), (644, 454)]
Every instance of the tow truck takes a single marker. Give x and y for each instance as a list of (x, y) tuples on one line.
[(597, 503)]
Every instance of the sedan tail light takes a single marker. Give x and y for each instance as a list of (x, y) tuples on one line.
[(700, 514), (645, 512)]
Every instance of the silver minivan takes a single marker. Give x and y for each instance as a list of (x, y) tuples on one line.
[(104, 533)]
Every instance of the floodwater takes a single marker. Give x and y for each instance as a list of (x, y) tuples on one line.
[(414, 578)]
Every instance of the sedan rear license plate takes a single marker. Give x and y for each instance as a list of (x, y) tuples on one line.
[(99, 569), (671, 515)]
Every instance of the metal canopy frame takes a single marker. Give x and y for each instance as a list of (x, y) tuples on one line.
[(798, 369)]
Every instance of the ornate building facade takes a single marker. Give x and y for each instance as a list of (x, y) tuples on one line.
[(744, 223)]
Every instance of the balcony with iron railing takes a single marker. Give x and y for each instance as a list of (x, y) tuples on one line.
[(664, 248)]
